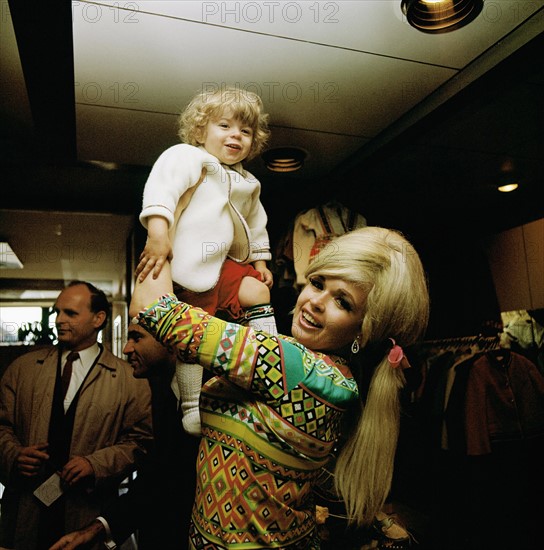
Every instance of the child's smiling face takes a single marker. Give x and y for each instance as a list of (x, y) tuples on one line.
[(228, 139)]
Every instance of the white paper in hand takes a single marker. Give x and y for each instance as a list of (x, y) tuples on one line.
[(50, 490)]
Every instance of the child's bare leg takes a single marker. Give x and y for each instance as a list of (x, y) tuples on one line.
[(254, 297), (253, 292), (147, 291)]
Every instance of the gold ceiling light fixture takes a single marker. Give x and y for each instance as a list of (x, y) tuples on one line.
[(284, 159), (439, 16)]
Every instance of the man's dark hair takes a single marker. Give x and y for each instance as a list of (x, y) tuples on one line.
[(99, 300)]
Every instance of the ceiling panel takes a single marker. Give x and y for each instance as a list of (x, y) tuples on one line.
[(61, 246), (373, 26)]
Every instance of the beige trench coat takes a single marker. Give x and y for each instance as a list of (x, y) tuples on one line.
[(112, 429)]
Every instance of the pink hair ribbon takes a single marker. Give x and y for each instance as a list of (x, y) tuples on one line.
[(397, 358)]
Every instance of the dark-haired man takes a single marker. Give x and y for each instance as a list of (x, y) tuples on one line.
[(158, 503)]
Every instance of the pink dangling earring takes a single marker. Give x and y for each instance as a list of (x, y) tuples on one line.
[(355, 347)]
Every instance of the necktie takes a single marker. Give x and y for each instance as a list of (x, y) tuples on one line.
[(67, 371)]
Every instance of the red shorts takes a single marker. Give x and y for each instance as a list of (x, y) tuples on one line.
[(223, 297)]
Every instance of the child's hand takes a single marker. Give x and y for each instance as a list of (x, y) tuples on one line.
[(155, 254), (266, 275)]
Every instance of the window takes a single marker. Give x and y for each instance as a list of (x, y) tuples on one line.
[(25, 325)]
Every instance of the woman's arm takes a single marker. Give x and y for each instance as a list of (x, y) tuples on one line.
[(253, 360)]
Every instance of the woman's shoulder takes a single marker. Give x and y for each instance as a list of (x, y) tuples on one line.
[(329, 359), (327, 366)]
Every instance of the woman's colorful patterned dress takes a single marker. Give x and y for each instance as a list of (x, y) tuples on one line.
[(270, 419)]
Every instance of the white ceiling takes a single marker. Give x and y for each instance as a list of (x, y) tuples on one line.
[(333, 75), (57, 247), (343, 80)]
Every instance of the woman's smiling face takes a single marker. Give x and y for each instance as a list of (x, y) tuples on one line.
[(328, 313)]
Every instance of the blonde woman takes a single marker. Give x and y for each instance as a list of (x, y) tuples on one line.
[(271, 414)]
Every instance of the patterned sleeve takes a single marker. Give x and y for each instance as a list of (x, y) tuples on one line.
[(253, 360)]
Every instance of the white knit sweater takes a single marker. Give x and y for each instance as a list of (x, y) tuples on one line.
[(213, 211)]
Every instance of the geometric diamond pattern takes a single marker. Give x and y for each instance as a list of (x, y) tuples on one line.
[(269, 422), (233, 504)]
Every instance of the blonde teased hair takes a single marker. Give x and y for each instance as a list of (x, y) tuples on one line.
[(242, 104), (397, 307)]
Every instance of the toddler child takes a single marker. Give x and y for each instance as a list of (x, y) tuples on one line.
[(206, 224)]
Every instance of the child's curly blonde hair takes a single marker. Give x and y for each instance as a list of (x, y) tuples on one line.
[(242, 104)]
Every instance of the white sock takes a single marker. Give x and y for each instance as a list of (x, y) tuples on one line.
[(189, 382), (261, 317)]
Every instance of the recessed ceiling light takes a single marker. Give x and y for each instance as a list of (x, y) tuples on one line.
[(439, 16), (284, 159), (507, 187)]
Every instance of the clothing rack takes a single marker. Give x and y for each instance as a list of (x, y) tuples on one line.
[(484, 343)]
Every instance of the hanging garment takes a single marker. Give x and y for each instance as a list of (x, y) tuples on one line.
[(314, 228), (504, 401)]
